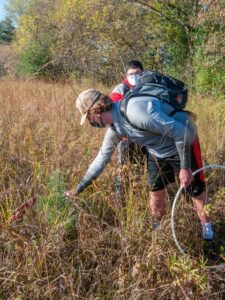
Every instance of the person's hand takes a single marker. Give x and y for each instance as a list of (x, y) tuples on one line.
[(71, 194), (186, 177)]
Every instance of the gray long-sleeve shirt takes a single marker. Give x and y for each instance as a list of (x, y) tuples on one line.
[(164, 136)]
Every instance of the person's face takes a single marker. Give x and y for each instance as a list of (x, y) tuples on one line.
[(134, 71), (95, 119), (133, 75)]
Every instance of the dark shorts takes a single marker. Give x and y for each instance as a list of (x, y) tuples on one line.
[(161, 172)]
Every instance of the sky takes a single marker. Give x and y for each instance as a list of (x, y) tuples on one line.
[(2, 11)]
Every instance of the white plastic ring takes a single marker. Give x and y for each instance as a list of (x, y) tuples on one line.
[(176, 199)]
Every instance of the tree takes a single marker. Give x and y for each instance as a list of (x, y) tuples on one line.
[(209, 59), (16, 8), (97, 42), (35, 38), (95, 38), (6, 31)]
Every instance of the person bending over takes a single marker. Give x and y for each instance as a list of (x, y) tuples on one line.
[(171, 143)]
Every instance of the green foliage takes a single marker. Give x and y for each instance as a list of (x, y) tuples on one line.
[(209, 59), (210, 78), (6, 30), (54, 205), (210, 75), (185, 271), (32, 59), (94, 39), (35, 39)]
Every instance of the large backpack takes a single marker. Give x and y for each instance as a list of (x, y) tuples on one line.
[(163, 87)]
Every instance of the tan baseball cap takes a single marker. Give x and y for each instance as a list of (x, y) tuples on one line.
[(84, 101)]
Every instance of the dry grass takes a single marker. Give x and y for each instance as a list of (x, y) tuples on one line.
[(7, 60), (95, 247)]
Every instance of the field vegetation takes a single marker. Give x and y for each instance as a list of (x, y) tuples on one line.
[(97, 246)]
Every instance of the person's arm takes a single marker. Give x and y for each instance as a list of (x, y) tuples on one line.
[(119, 91), (109, 144)]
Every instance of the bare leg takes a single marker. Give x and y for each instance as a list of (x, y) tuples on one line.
[(157, 204), (199, 203)]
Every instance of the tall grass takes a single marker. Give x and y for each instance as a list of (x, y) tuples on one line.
[(97, 246)]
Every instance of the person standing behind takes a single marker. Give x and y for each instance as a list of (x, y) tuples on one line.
[(128, 152), (133, 70)]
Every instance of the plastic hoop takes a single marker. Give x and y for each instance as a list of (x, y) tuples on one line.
[(175, 202)]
